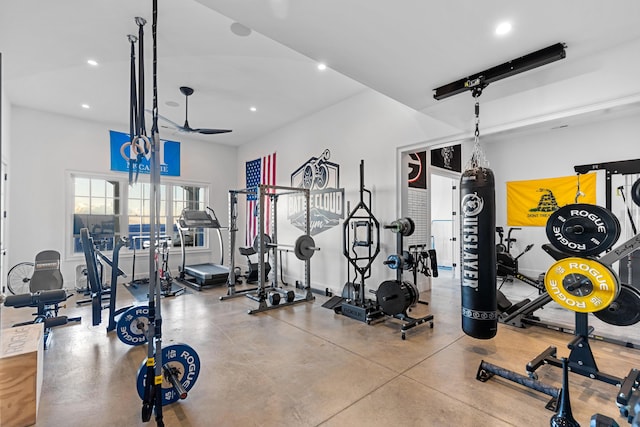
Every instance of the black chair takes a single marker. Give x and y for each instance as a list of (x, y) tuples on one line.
[(251, 275), (46, 272)]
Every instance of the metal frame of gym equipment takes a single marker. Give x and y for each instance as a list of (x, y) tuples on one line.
[(88, 291), (273, 192), (357, 306), (232, 292), (581, 359), (524, 314), (205, 274), (398, 263), (130, 322), (623, 167), (91, 254), (171, 289)]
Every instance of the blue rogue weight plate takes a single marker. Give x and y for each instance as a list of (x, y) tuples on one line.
[(133, 324), (186, 364)]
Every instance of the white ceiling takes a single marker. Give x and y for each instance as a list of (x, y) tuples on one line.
[(402, 49)]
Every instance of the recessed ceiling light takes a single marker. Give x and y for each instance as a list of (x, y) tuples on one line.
[(86, 106), (254, 109), (322, 66), (503, 28), (171, 104), (92, 62)]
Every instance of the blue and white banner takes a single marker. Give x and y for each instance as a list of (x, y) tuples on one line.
[(169, 155)]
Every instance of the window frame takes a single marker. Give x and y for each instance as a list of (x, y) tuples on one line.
[(123, 217)]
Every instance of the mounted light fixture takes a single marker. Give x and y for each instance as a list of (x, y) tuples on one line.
[(480, 80)]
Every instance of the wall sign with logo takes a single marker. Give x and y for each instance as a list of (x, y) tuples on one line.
[(418, 170), (326, 198), (121, 153), (449, 158)]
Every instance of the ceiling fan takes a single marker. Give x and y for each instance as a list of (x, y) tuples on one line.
[(187, 92)]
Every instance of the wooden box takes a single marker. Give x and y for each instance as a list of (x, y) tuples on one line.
[(21, 374)]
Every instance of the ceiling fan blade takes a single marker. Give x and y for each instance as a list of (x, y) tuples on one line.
[(161, 117), (211, 131), (187, 91)]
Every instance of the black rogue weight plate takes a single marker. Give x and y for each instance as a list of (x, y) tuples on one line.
[(583, 229), (395, 297), (635, 192), (624, 310)]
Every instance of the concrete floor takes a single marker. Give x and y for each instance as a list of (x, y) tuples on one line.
[(304, 365)]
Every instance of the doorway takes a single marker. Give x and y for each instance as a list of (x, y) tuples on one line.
[(444, 221)]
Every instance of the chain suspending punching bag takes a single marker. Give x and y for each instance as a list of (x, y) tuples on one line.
[(477, 243)]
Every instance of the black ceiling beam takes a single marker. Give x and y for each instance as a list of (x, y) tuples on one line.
[(519, 65)]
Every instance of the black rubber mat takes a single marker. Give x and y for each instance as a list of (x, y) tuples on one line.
[(141, 291), (333, 302)]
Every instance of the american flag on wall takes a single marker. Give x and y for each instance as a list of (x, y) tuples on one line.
[(259, 171)]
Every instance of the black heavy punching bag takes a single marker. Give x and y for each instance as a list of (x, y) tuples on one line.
[(478, 253)]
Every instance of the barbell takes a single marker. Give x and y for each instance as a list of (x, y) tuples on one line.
[(404, 226), (304, 247)]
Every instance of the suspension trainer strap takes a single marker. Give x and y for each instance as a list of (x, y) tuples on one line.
[(141, 122), (141, 126), (133, 106)]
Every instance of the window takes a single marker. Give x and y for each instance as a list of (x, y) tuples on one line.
[(192, 198), (138, 213), (97, 208), (111, 208)]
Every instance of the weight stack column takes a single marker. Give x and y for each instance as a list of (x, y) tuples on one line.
[(478, 253)]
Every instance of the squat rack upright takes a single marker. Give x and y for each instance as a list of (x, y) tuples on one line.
[(232, 292)]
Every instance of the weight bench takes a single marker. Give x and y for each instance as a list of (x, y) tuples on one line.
[(45, 294), (47, 304)]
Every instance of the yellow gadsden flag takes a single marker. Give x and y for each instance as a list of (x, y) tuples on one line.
[(530, 203)]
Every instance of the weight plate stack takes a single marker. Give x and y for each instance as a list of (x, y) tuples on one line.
[(583, 229)]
